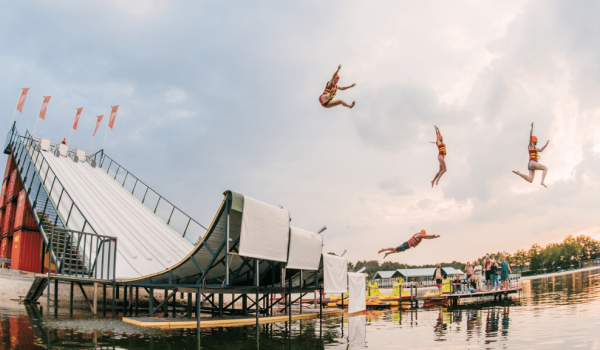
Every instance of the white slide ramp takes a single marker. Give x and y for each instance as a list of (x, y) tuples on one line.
[(145, 243)]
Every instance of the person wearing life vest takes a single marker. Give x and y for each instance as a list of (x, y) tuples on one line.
[(534, 160), (441, 156), (411, 243), (331, 88)]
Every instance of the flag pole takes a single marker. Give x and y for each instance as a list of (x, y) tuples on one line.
[(92, 143), (15, 111), (38, 119), (106, 133)]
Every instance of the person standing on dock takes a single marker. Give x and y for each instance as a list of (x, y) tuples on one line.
[(494, 275), (469, 270), (487, 265), (477, 272), (411, 243), (438, 275), (504, 273)]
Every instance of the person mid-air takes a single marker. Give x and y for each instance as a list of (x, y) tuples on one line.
[(441, 156), (326, 99), (411, 243), (534, 158)]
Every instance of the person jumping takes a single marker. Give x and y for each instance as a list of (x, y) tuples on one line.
[(331, 88), (441, 156), (411, 243), (534, 158)]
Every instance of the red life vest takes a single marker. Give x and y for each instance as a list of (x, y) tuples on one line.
[(533, 154), (415, 240), (442, 148)]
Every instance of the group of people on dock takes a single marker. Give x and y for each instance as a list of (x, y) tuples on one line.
[(475, 275)]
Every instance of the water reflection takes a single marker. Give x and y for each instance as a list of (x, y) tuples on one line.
[(550, 313)]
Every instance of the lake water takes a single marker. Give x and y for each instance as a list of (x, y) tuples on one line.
[(552, 313)]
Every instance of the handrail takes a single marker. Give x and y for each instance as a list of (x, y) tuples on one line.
[(42, 180), (100, 158), (101, 262)]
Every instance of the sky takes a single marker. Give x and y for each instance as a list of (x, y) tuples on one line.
[(218, 96)]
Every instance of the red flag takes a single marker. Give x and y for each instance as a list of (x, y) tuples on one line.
[(22, 98), (44, 106), (113, 116), (77, 115), (98, 123)]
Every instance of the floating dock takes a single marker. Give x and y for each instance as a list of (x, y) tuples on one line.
[(211, 322)]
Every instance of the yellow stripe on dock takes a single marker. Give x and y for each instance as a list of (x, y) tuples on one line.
[(165, 323)]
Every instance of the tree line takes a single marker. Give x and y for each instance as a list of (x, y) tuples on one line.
[(554, 256)]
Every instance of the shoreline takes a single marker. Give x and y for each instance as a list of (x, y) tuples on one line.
[(560, 273)]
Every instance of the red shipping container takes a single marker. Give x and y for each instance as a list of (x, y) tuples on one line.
[(22, 334), (26, 251), (24, 219), (14, 186), (6, 248), (52, 266), (10, 166), (9, 218)]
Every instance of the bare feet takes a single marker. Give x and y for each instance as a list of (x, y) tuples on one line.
[(543, 185), (388, 253), (379, 252), (432, 183), (353, 103), (437, 182), (516, 172)]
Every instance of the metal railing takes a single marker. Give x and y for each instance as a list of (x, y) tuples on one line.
[(174, 217), (51, 203), (83, 255)]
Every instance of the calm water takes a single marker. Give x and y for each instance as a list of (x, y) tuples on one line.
[(552, 313)]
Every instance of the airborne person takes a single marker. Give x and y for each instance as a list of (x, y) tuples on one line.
[(326, 99), (534, 158), (411, 243)]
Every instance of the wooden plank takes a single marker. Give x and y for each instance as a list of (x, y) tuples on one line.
[(157, 322)]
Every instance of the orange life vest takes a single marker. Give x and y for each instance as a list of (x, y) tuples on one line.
[(442, 148), (533, 154), (331, 91), (415, 240)]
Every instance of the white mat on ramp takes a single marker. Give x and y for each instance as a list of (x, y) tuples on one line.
[(265, 231), (335, 269), (305, 250)]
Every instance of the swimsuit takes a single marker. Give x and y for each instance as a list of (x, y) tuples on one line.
[(328, 91), (442, 148), (533, 155)]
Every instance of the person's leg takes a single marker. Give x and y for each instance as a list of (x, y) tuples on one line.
[(324, 99), (442, 168), (527, 178), (393, 249), (437, 175), (544, 170), (340, 102)]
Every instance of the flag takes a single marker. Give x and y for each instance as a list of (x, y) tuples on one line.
[(113, 115), (22, 98), (44, 106), (77, 115), (98, 123)]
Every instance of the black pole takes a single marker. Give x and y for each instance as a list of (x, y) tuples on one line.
[(174, 304), (124, 300), (104, 299), (166, 303), (55, 298), (189, 305), (151, 303), (114, 291), (320, 302), (71, 301), (137, 300)]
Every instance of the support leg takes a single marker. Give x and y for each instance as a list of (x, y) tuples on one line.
[(151, 302), (71, 300)]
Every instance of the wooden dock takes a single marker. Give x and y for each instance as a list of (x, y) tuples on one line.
[(211, 322)]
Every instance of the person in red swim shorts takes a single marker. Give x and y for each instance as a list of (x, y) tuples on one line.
[(326, 98), (411, 243)]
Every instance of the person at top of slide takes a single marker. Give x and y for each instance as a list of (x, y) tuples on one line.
[(326, 99), (64, 141), (441, 156), (534, 158), (411, 243)]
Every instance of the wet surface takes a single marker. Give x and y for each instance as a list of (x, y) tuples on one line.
[(552, 313)]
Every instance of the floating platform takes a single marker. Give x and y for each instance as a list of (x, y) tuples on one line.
[(211, 322), (457, 296)]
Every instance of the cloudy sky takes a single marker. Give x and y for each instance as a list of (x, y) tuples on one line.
[(223, 95)]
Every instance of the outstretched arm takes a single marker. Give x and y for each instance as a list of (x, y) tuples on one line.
[(531, 136), (430, 236), (334, 74), (347, 87), (543, 148), (437, 134)]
